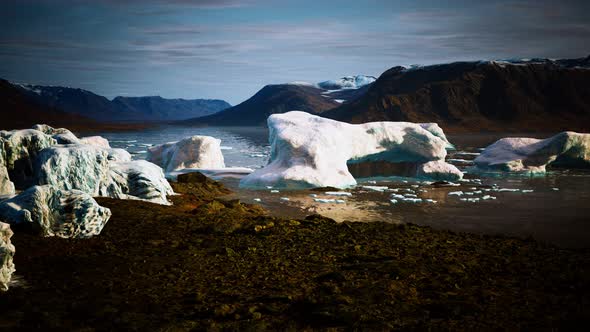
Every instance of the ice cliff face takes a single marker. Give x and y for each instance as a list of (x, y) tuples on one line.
[(311, 151)]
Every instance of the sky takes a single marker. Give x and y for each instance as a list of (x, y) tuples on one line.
[(229, 49)]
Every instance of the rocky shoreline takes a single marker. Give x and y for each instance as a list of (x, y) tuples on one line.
[(208, 263)]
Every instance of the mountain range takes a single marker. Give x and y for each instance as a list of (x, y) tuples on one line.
[(281, 98), (88, 107), (528, 95), (502, 95)]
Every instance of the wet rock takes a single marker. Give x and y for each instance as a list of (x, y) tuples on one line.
[(6, 255), (55, 212)]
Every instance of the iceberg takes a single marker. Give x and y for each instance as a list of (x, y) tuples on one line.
[(310, 151), (6, 256), (55, 212), (191, 152), (530, 155)]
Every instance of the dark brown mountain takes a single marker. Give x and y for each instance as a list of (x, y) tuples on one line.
[(121, 109), (269, 100), (19, 111), (156, 108), (534, 95)]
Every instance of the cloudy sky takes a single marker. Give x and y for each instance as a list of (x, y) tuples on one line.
[(229, 49)]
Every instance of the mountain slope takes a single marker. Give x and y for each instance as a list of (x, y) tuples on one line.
[(17, 110), (281, 98), (121, 109), (156, 108), (539, 95), (269, 100)]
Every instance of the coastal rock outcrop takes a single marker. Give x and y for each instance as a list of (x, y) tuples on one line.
[(191, 152), (311, 151), (531, 155), (6, 255), (55, 212)]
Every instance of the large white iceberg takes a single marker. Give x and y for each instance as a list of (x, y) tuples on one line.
[(311, 151), (191, 152), (530, 155)]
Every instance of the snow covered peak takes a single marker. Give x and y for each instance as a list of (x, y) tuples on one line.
[(347, 82), (302, 83)]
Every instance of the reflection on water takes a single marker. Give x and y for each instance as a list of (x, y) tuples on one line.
[(553, 208)]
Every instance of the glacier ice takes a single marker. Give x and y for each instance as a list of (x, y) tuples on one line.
[(191, 152), (310, 151)]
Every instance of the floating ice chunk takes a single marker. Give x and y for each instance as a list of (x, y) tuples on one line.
[(486, 197), (415, 186), (372, 182), (226, 147), (190, 152), (477, 192), (274, 191), (375, 188), (429, 200), (394, 190), (329, 200), (456, 193), (555, 189), (532, 155), (338, 193), (257, 200), (284, 199), (393, 201), (507, 189), (398, 196), (412, 200), (268, 187), (411, 195), (468, 193), (525, 191), (313, 195)]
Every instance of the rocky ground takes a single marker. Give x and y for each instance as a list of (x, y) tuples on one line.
[(208, 263)]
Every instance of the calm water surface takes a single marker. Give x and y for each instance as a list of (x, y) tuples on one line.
[(554, 208)]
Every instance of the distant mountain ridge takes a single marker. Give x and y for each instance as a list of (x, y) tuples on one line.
[(281, 98), (121, 109), (505, 95)]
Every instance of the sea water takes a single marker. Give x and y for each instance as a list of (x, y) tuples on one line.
[(553, 208)]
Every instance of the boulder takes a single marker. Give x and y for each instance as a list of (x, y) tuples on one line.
[(311, 151), (20, 151), (530, 155), (192, 152), (55, 212), (6, 256)]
